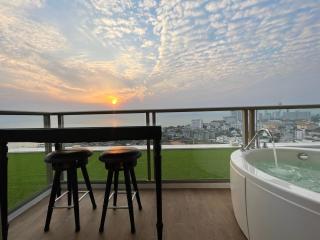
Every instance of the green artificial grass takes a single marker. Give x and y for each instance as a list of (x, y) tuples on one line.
[(180, 164), (196, 164), (26, 176), (27, 171)]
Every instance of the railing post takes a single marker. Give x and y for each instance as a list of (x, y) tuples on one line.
[(154, 120), (48, 147), (252, 123), (60, 121), (245, 126), (60, 145), (148, 149), (61, 124)]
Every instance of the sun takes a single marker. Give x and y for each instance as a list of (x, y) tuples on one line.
[(114, 101)]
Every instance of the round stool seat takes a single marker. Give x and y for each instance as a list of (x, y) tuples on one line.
[(66, 158), (116, 157)]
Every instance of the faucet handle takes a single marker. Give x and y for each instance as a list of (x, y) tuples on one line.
[(242, 147)]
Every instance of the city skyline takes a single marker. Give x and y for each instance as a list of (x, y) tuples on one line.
[(285, 126), (84, 55)]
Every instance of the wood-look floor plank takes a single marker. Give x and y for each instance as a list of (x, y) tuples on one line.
[(196, 214)]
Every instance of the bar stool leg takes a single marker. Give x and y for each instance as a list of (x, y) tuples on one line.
[(116, 180), (106, 200), (129, 197), (88, 184), (56, 182), (135, 187), (74, 182), (59, 188), (69, 180)]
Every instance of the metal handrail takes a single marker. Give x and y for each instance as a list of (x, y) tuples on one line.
[(209, 109), (161, 110), (4, 112)]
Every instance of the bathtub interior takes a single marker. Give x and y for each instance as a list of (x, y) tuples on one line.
[(302, 172), (289, 156)]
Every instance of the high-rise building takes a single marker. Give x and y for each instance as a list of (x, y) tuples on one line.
[(237, 115), (297, 115), (196, 124), (300, 134), (230, 119)]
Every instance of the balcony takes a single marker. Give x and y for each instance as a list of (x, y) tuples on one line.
[(195, 162)]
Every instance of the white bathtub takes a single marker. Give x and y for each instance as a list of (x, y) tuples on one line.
[(268, 208)]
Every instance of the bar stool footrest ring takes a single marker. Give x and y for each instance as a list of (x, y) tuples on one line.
[(85, 193), (133, 193)]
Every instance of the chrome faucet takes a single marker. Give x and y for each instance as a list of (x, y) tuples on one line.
[(255, 139)]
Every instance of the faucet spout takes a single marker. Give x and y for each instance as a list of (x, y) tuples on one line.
[(255, 139)]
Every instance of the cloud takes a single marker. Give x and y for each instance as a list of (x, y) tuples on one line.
[(20, 35), (25, 3), (147, 43), (28, 75), (254, 36), (147, 4), (135, 49), (217, 5)]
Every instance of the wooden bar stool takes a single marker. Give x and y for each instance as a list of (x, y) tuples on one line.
[(120, 159), (69, 160)]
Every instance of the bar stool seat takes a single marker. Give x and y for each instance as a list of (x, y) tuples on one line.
[(65, 158), (69, 160), (117, 156), (120, 159)]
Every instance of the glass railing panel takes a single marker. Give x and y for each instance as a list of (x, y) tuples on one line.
[(197, 145), (105, 120), (21, 121), (27, 176), (196, 164), (53, 121), (291, 126), (96, 169)]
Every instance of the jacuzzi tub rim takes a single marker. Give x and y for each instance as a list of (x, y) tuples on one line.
[(301, 196)]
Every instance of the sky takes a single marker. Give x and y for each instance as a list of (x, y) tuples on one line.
[(62, 55)]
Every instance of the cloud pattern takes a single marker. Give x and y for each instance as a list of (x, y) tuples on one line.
[(90, 50)]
